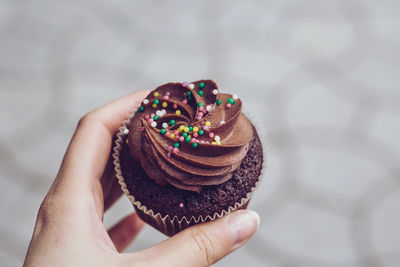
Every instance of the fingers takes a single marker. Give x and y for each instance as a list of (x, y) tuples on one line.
[(205, 244), (109, 183), (113, 194), (123, 233), (89, 149)]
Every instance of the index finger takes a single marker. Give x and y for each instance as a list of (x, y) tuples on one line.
[(88, 151)]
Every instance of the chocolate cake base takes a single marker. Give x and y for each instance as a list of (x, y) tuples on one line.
[(169, 200)]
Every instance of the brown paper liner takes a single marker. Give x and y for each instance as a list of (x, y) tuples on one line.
[(166, 224)]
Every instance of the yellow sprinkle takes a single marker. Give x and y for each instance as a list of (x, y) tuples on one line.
[(218, 142), (213, 143), (195, 129), (186, 129), (178, 112), (156, 94), (208, 123), (172, 136), (154, 105), (164, 104), (127, 140), (181, 128)]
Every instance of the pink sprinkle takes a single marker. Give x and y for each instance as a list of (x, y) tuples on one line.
[(201, 114), (167, 133), (185, 94), (181, 205), (142, 129), (201, 141), (175, 150), (211, 135), (185, 84), (181, 138), (195, 134), (175, 106), (169, 147), (228, 105), (168, 93), (184, 101), (193, 140), (201, 108), (150, 121), (207, 142), (169, 154), (199, 118), (206, 128), (165, 97), (176, 133), (147, 116)]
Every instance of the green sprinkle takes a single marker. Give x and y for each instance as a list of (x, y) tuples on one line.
[(156, 101), (194, 145), (135, 112), (200, 104), (231, 101), (141, 109), (201, 132), (177, 145), (155, 117), (200, 93), (219, 102), (187, 139), (163, 131), (202, 85), (172, 122), (189, 93), (190, 128), (184, 134)]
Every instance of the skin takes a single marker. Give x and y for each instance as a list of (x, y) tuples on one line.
[(69, 229)]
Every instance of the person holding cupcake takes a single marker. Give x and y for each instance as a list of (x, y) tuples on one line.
[(205, 183)]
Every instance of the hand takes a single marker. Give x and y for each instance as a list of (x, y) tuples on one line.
[(69, 230)]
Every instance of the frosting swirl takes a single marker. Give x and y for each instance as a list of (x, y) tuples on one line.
[(189, 135)]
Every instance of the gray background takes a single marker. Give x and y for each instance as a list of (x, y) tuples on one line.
[(319, 78)]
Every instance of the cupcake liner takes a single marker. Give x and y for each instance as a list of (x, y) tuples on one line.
[(166, 224)]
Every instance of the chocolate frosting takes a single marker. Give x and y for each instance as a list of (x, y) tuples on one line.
[(189, 135)]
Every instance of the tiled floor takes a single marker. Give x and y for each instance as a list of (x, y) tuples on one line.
[(320, 78)]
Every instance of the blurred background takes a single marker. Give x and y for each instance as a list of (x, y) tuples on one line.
[(320, 79)]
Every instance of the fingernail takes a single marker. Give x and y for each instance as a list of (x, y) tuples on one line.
[(242, 225)]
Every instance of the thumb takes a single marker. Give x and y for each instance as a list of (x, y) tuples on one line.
[(207, 243)]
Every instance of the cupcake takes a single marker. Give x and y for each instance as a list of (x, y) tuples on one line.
[(187, 155)]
